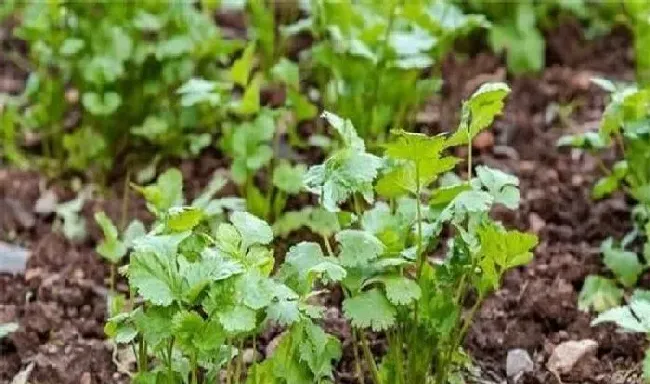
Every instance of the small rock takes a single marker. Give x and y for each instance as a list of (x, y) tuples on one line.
[(13, 259), (47, 203), (85, 378), (484, 140), (536, 223), (566, 355), (22, 377), (250, 356), (518, 362)]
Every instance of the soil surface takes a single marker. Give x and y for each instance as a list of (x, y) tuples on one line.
[(60, 301)]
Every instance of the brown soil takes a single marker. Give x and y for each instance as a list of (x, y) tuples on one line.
[(60, 301)]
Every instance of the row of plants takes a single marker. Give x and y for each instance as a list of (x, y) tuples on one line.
[(130, 84), (203, 283), (625, 130)]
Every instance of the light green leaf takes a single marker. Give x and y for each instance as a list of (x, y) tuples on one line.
[(600, 294), (623, 317), (400, 290), (301, 105), (479, 111), (345, 129), (286, 71), (358, 248), (502, 186), (250, 101), (370, 309), (182, 219), (101, 105), (237, 319), (110, 247), (288, 178), (242, 67), (252, 229), (604, 186), (166, 193), (508, 249), (624, 264)]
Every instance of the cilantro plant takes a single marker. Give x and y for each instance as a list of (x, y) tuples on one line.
[(391, 284), (394, 41), (103, 79), (202, 287), (624, 127)]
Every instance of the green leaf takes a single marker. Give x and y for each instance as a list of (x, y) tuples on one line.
[(242, 67), (308, 261), (166, 193), (255, 290), (605, 186), (400, 290), (283, 312), (252, 229), (182, 219), (110, 247), (600, 294), (250, 101), (479, 112), (71, 46), (288, 178), (155, 323), (508, 249), (624, 264), (174, 47), (237, 319), (152, 128), (503, 187), (624, 318), (101, 105), (301, 105), (358, 248), (152, 269), (370, 309), (134, 231), (286, 71), (416, 147), (196, 91), (346, 130)]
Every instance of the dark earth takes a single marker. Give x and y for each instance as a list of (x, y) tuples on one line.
[(59, 302)]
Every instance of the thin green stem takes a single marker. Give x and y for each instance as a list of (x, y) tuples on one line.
[(469, 160), (240, 361), (113, 268), (418, 218), (195, 368), (170, 349), (370, 360), (357, 360), (229, 365), (328, 246), (125, 200)]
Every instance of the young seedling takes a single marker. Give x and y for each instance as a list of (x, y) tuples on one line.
[(204, 288), (390, 284)]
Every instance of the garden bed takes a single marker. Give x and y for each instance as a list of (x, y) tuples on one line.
[(60, 301)]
